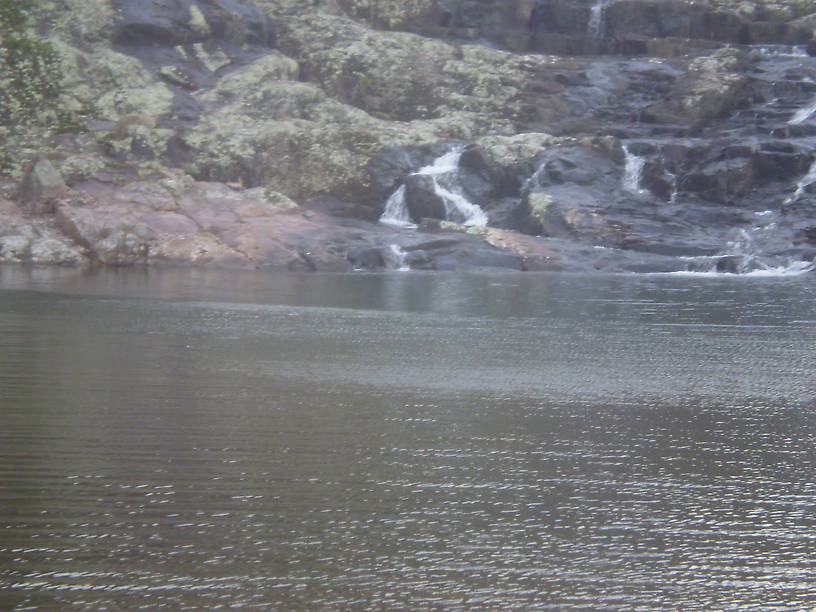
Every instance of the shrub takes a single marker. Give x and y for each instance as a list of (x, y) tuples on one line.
[(30, 84)]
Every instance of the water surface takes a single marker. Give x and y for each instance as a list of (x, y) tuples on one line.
[(196, 438)]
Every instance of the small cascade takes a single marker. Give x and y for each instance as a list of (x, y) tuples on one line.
[(806, 181), (675, 188), (633, 172), (595, 26), (396, 211), (748, 254), (803, 114), (443, 172), (398, 258), (531, 182), (783, 51)]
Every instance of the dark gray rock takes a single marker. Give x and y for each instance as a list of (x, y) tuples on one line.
[(421, 198), (483, 180), (720, 181), (175, 38), (390, 167), (181, 22), (576, 165)]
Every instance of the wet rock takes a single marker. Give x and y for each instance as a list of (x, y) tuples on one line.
[(421, 198), (481, 178), (534, 254), (536, 215), (577, 165), (658, 181), (179, 22), (713, 86), (390, 167), (367, 258), (319, 258), (389, 257), (780, 162), (720, 181)]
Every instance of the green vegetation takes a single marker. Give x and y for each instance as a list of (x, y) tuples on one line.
[(30, 86)]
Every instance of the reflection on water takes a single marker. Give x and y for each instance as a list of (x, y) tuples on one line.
[(189, 438)]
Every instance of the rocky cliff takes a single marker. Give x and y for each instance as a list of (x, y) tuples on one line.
[(642, 135)]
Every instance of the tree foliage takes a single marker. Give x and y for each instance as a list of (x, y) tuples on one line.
[(30, 82)]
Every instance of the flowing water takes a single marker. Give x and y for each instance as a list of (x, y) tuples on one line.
[(806, 181), (803, 114), (633, 172), (595, 25), (443, 173), (193, 439), (395, 211)]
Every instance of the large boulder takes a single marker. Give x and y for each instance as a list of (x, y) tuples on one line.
[(571, 211), (480, 177), (422, 199), (713, 86), (42, 185)]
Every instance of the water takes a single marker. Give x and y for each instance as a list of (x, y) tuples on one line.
[(396, 212), (803, 114), (760, 250), (633, 172), (595, 26), (193, 439), (806, 181), (398, 256), (782, 51), (443, 172)]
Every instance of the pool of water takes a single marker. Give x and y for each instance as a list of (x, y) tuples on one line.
[(183, 438)]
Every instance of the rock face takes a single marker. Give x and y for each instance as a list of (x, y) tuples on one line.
[(41, 186), (612, 134), (178, 221)]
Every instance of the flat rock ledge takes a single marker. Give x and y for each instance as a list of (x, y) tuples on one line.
[(178, 221), (172, 221)]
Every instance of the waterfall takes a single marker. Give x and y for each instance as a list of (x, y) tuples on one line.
[(746, 255), (396, 212), (750, 252), (443, 172), (803, 114), (633, 172), (785, 51), (595, 27), (532, 181), (398, 256), (674, 191), (806, 181)]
